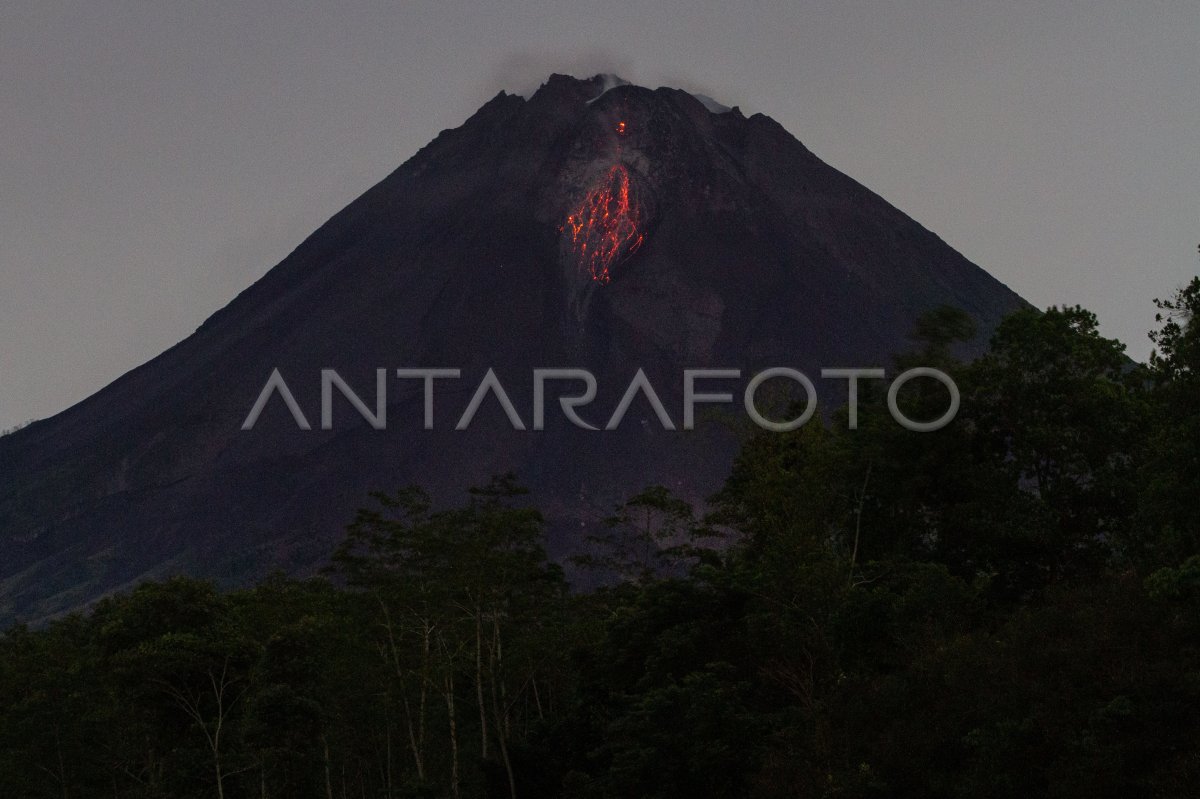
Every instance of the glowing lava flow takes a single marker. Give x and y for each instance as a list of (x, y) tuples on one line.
[(606, 225)]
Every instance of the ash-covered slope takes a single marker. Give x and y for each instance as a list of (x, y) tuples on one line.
[(610, 230)]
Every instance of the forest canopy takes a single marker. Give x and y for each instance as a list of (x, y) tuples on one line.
[(1007, 607)]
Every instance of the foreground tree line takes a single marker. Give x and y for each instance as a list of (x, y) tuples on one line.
[(1009, 607)]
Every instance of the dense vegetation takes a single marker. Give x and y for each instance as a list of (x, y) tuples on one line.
[(1009, 607)]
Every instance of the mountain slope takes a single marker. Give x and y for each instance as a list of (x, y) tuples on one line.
[(611, 230)]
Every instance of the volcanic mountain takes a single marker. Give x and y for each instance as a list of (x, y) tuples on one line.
[(594, 225)]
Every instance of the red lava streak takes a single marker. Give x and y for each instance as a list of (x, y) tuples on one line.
[(606, 226)]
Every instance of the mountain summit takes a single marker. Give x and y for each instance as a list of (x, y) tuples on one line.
[(595, 225)]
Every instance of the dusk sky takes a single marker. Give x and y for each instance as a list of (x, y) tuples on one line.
[(160, 157)]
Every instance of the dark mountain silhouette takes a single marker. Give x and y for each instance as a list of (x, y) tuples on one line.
[(610, 230)]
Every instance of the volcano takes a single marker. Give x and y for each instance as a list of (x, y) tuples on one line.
[(598, 226)]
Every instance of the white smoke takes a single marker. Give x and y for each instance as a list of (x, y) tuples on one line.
[(523, 73)]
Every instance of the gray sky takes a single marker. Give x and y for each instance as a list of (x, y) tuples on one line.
[(159, 157)]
